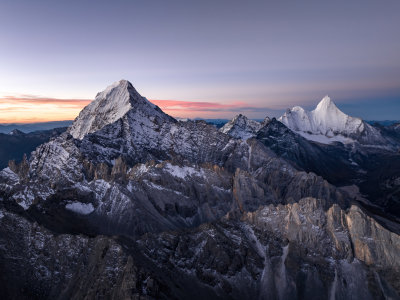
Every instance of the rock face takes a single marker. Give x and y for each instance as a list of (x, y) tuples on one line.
[(372, 169), (332, 163), (130, 203), (295, 251), (111, 105)]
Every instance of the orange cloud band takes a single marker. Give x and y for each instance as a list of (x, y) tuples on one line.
[(204, 106), (30, 108), (30, 99)]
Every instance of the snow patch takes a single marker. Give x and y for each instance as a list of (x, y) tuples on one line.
[(183, 172), (82, 187), (161, 188), (24, 198), (80, 208), (141, 169), (323, 139)]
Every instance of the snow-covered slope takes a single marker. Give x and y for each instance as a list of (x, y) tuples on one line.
[(110, 105), (241, 127), (327, 123)]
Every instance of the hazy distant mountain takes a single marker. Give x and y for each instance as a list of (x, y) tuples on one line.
[(16, 143), (327, 124), (216, 122), (7, 128), (383, 123), (130, 203)]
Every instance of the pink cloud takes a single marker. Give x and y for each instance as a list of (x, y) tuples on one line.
[(28, 107), (31, 99), (180, 105)]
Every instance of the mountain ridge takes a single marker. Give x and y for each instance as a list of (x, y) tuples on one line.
[(140, 205)]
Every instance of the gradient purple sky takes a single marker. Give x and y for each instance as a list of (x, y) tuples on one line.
[(256, 57)]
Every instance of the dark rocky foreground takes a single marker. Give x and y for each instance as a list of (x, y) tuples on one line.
[(145, 207), (289, 251)]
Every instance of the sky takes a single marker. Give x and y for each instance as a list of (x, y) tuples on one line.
[(209, 58)]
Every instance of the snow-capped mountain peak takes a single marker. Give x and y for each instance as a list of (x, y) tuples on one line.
[(241, 127), (327, 112), (326, 103), (327, 123), (109, 106)]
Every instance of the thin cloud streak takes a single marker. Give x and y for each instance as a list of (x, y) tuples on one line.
[(182, 108), (31, 108), (28, 108), (32, 99)]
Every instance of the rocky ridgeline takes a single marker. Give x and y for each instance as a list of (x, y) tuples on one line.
[(130, 203)]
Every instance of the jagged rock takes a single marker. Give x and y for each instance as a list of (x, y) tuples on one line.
[(292, 251), (241, 127), (21, 169), (129, 203)]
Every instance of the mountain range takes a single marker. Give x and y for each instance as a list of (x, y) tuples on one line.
[(15, 144), (31, 127), (130, 203)]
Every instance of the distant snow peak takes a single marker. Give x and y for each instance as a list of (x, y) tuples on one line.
[(16, 132), (329, 121), (109, 106), (326, 103), (241, 127)]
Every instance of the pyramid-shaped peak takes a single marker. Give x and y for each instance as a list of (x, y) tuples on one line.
[(241, 120), (238, 120), (266, 121), (110, 105), (239, 116), (120, 83), (241, 127), (16, 132), (326, 103), (326, 99), (119, 88), (124, 84)]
